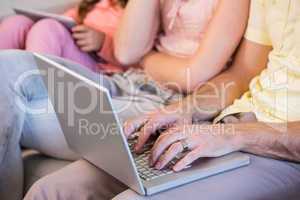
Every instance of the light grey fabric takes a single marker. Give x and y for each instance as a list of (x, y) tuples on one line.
[(264, 179), (295, 165), (77, 181), (37, 166)]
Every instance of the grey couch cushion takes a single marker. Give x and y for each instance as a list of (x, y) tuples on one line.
[(37, 166)]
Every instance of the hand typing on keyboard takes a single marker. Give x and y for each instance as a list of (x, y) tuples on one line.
[(158, 123), (143, 164)]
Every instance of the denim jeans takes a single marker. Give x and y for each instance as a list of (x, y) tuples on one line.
[(41, 131)]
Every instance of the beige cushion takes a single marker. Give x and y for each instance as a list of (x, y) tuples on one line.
[(37, 166)]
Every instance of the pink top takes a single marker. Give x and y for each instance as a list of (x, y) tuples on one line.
[(104, 17), (184, 23)]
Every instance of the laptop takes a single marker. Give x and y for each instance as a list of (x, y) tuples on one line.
[(95, 132), (36, 15)]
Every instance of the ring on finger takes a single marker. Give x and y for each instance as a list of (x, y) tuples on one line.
[(185, 145)]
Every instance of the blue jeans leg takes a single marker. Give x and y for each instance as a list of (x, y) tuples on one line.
[(12, 119)]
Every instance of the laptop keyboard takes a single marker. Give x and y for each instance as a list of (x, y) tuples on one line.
[(142, 163)]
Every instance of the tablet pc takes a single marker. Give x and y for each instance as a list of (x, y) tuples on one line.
[(36, 15)]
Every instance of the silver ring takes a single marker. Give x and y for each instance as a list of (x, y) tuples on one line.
[(185, 145)]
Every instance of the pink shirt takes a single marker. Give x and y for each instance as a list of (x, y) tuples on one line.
[(105, 17), (184, 23)]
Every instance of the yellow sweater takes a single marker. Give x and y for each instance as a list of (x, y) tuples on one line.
[(274, 95)]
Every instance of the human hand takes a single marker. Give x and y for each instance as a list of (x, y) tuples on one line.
[(200, 140), (151, 123), (88, 39)]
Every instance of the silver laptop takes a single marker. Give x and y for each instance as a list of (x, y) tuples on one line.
[(95, 132), (36, 15)]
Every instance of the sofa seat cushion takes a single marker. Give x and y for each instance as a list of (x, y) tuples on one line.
[(37, 166)]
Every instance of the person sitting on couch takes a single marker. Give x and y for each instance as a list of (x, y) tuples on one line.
[(264, 122), (41, 131), (88, 43)]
